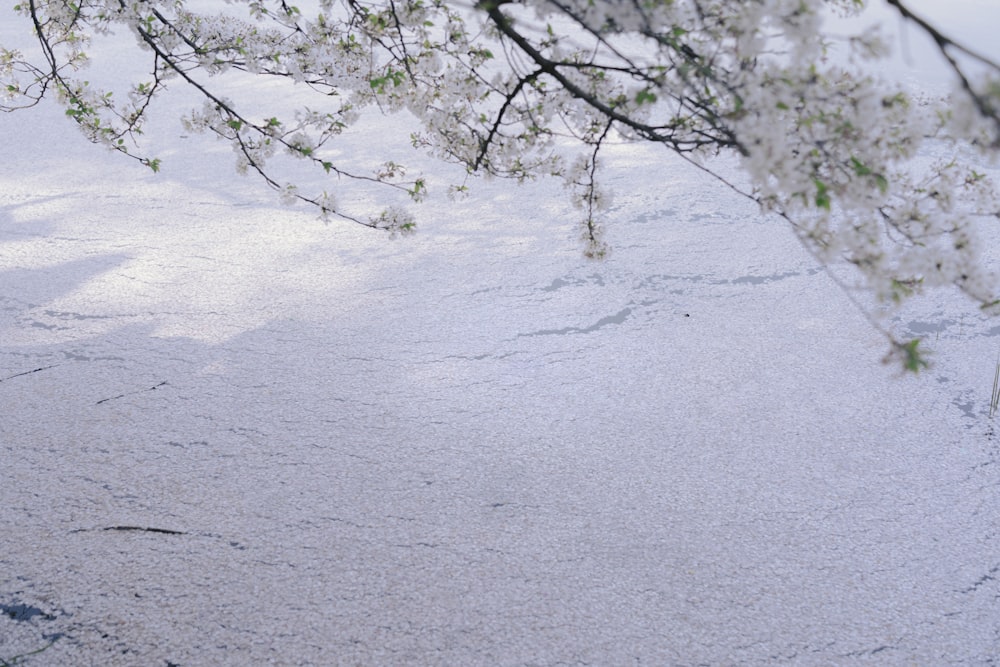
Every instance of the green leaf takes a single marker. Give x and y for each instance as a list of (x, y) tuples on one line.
[(822, 195), (862, 170), (913, 357), (419, 189), (645, 96), (859, 168), (990, 304)]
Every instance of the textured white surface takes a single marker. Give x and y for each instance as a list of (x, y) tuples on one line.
[(469, 447)]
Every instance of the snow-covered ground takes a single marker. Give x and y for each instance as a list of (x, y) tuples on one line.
[(233, 435)]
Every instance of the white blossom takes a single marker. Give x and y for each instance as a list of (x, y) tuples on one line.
[(534, 88)]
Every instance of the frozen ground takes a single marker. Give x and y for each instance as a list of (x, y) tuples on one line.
[(231, 435)]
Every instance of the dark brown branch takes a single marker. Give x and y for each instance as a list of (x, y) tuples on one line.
[(552, 68), (485, 144), (984, 104)]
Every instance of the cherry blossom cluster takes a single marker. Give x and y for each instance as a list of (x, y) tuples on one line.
[(536, 88)]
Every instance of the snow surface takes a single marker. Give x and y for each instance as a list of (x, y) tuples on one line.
[(470, 447)]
